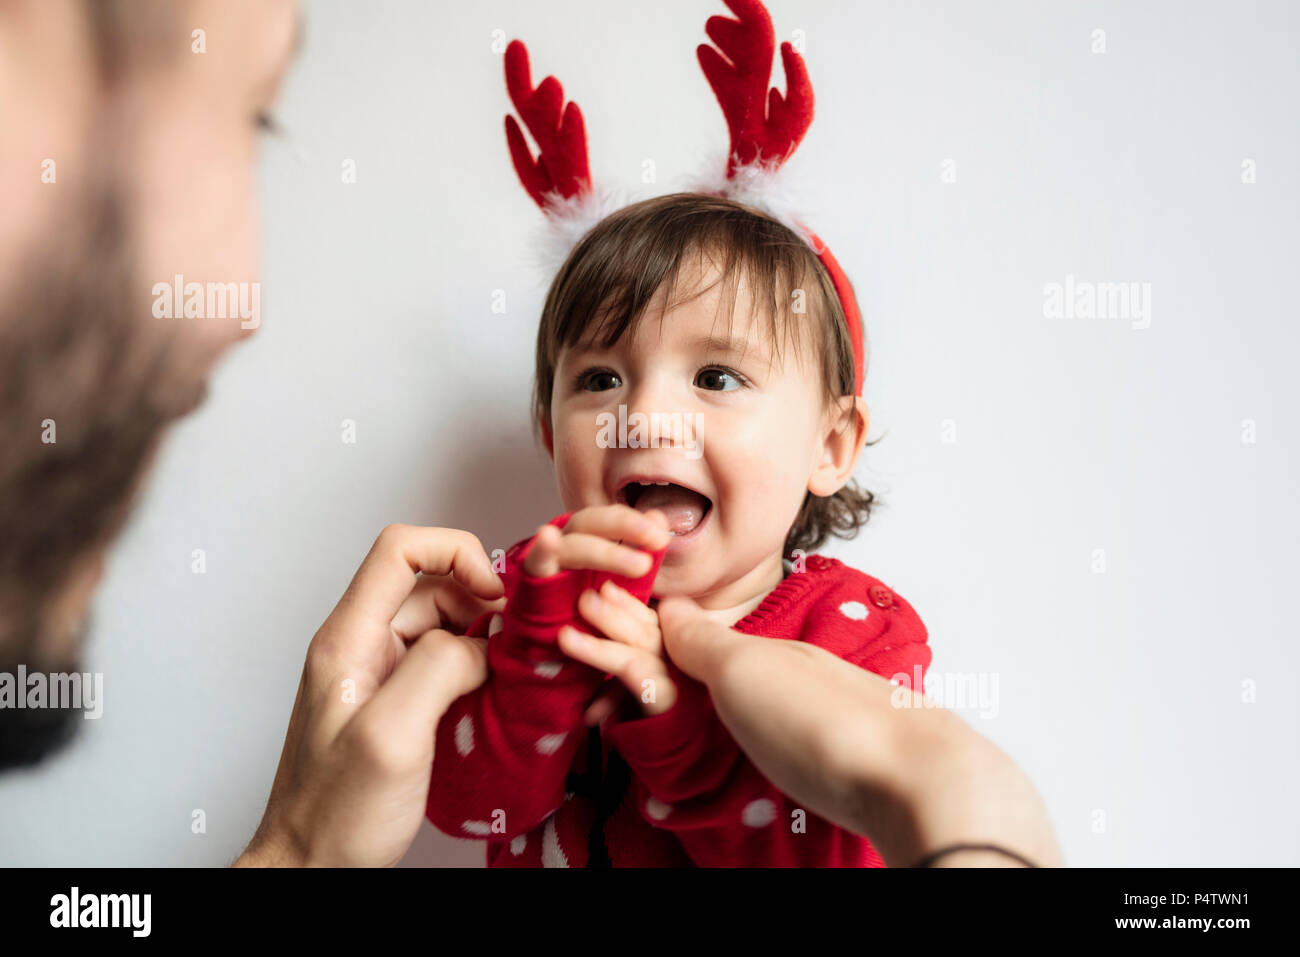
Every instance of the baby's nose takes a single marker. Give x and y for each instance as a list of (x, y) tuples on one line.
[(651, 400), (660, 418)]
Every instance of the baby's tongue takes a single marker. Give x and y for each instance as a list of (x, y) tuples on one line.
[(683, 508)]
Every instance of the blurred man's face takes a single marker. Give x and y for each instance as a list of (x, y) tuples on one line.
[(127, 159)]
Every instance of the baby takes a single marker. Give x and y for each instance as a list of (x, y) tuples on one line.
[(587, 746)]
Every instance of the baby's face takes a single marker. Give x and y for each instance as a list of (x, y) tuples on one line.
[(735, 431)]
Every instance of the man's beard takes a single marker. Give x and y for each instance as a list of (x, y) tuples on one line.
[(82, 363), (27, 735)]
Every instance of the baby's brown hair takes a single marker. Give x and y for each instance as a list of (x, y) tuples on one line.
[(612, 274)]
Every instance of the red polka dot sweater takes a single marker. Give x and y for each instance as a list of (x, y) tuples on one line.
[(515, 765)]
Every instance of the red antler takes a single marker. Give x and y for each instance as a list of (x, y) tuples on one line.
[(561, 165), (740, 83)]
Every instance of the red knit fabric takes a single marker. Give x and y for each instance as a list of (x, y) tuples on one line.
[(515, 766)]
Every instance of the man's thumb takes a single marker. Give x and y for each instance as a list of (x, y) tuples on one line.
[(435, 671), (693, 642)]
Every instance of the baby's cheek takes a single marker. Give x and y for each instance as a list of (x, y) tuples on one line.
[(759, 471), (577, 469)]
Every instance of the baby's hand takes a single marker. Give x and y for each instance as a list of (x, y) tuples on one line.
[(601, 538), (634, 652)]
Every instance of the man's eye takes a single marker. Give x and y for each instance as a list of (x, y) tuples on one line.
[(265, 122), (719, 380), (598, 381)]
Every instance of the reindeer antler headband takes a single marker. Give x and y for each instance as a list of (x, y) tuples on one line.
[(765, 128)]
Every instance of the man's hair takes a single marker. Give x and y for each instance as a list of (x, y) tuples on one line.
[(602, 291)]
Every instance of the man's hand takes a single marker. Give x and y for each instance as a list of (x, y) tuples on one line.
[(852, 747), (353, 778)]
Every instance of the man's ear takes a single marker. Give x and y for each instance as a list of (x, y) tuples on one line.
[(846, 433)]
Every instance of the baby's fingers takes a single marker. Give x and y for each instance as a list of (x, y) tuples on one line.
[(606, 703), (543, 558), (553, 550), (622, 523), (641, 673), (600, 554), (621, 617)]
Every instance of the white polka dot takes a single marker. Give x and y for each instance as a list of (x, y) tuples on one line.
[(759, 813), (495, 625), (552, 853), (853, 609), (547, 669), (518, 844), (477, 827), (550, 743), (465, 735), (657, 809)]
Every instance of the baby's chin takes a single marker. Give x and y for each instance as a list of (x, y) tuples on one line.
[(672, 582), (706, 576), (687, 579)]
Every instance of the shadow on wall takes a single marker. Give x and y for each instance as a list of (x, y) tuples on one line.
[(505, 489)]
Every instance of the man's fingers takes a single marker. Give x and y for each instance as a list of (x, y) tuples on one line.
[(387, 576), (419, 611), (437, 669), (693, 642), (438, 602)]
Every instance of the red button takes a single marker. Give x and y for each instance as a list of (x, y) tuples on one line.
[(881, 596)]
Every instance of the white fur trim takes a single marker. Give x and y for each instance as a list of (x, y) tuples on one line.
[(762, 185), (568, 220)]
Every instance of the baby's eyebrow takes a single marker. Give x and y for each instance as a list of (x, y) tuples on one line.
[(736, 345)]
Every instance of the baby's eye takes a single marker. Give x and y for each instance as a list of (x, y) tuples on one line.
[(598, 380), (716, 380)]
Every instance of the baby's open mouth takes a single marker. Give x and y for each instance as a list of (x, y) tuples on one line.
[(683, 507)]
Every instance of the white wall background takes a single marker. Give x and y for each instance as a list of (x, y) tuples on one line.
[(1121, 693)]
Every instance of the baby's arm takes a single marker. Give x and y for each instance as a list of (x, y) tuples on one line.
[(690, 776), (503, 752)]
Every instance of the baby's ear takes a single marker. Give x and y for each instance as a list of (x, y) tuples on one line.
[(544, 424), (846, 426)]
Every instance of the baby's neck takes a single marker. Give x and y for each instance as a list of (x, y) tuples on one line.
[(732, 602)]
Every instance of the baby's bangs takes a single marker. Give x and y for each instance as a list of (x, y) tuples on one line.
[(610, 280), (610, 290)]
